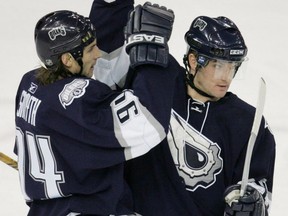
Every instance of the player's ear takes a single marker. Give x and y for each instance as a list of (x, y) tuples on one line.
[(192, 61), (67, 59)]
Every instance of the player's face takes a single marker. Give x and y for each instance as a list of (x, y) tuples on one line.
[(216, 77), (90, 55)]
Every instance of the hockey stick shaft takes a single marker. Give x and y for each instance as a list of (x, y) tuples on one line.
[(9, 161), (253, 135)]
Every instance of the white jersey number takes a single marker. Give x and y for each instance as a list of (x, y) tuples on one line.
[(42, 163)]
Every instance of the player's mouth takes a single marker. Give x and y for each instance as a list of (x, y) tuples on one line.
[(223, 87)]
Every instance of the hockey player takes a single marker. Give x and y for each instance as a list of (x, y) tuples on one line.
[(73, 133), (209, 132), (210, 128)]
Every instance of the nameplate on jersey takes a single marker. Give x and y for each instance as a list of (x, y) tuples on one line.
[(28, 107)]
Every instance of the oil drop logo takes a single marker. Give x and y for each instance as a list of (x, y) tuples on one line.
[(196, 158)]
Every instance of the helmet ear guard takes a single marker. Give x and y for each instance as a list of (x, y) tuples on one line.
[(202, 61)]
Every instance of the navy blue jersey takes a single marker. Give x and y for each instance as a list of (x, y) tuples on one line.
[(109, 20), (207, 144), (204, 154), (73, 136), (156, 186)]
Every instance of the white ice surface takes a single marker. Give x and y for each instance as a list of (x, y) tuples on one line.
[(263, 24)]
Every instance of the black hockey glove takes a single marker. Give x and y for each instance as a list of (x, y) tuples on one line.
[(250, 204), (147, 32)]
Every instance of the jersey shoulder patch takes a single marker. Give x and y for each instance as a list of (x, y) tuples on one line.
[(72, 90)]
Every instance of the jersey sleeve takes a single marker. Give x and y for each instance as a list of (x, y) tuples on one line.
[(112, 126), (112, 68), (263, 161), (155, 86), (136, 129), (114, 15)]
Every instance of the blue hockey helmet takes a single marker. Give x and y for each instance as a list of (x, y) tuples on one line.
[(60, 32), (215, 38)]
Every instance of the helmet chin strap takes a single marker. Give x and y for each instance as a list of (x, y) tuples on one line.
[(190, 78), (190, 82), (68, 73), (80, 62)]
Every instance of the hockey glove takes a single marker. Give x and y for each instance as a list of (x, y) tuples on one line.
[(147, 32), (250, 204)]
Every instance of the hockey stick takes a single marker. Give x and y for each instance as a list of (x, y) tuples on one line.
[(9, 161), (253, 135)]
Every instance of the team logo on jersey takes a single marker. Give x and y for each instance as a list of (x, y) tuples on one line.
[(197, 159), (33, 87), (72, 90)]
